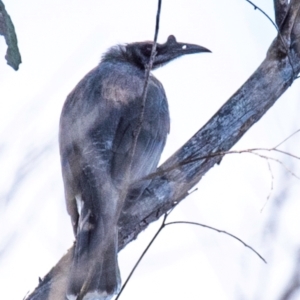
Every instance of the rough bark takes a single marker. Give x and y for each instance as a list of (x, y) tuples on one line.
[(185, 168), (281, 8)]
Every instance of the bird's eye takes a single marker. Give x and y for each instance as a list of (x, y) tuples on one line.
[(184, 47)]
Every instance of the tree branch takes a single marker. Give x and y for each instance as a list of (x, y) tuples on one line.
[(224, 129), (281, 8)]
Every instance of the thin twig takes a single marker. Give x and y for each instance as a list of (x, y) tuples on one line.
[(277, 161), (286, 153), (162, 226), (264, 13), (143, 254), (220, 231), (26, 295), (294, 133), (189, 160), (223, 153), (147, 75), (272, 186), (138, 128), (136, 135)]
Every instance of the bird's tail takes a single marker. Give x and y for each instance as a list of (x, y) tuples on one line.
[(95, 273)]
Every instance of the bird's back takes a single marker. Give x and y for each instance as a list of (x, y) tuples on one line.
[(101, 114)]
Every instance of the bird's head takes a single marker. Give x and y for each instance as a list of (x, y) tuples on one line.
[(140, 52)]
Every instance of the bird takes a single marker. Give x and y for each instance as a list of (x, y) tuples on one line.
[(100, 161)]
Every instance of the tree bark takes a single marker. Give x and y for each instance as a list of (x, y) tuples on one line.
[(173, 180), (281, 8)]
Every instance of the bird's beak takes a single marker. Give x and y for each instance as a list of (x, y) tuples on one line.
[(183, 48), (171, 49), (190, 48)]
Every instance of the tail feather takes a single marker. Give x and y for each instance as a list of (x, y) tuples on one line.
[(95, 273)]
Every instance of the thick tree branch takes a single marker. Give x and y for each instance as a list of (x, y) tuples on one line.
[(224, 129), (293, 286), (281, 8)]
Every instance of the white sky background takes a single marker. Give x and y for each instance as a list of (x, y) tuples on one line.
[(60, 41)]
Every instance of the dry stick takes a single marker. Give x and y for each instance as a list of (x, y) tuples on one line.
[(140, 122), (272, 186), (264, 13), (147, 75), (143, 254), (162, 226), (286, 153), (294, 133), (220, 231), (252, 151), (278, 161), (141, 116), (137, 131)]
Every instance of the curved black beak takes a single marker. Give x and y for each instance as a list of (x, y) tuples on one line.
[(172, 49), (183, 48)]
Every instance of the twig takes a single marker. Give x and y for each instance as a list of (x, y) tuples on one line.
[(264, 13), (294, 133), (223, 153), (272, 186), (220, 231), (278, 161), (138, 128), (286, 153), (143, 254), (162, 226), (137, 132), (251, 151)]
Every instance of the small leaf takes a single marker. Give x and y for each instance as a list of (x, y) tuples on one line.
[(13, 56)]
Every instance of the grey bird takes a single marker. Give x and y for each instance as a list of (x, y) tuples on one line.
[(96, 136)]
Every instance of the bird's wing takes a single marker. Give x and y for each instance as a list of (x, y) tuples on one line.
[(87, 127), (152, 136)]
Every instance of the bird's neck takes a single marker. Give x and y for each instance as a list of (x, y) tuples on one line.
[(119, 54)]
